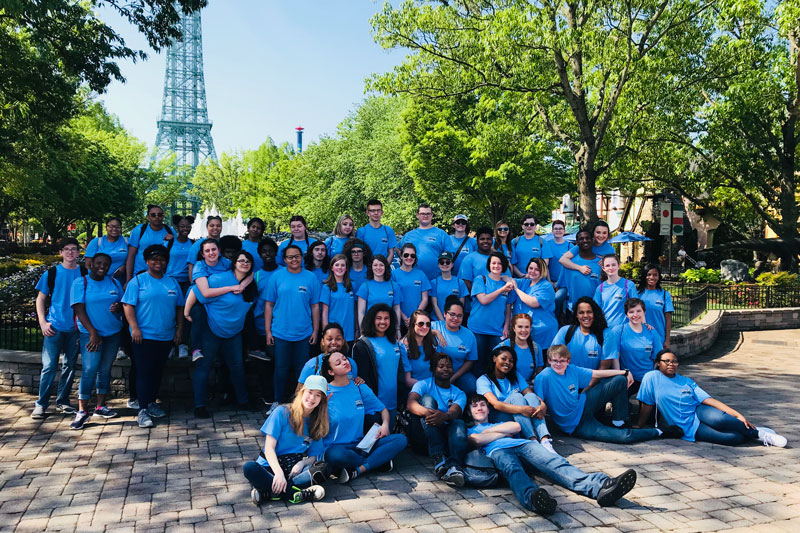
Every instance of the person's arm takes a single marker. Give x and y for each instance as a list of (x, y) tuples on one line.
[(129, 262), (527, 299), (41, 312), (178, 324), (409, 381), (314, 324), (399, 314), (504, 407), (507, 321), (191, 299), (385, 429), (644, 414), (423, 303), (415, 407), (667, 328), (611, 373), (83, 316), (362, 310), (729, 410), (566, 262), (492, 434), (487, 298), (279, 479), (268, 322), (468, 283), (605, 364), (436, 310), (466, 367), (130, 315), (324, 315), (191, 268), (207, 292)]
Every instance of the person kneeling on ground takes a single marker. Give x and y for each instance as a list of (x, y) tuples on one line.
[(287, 466), (436, 406), (508, 452)]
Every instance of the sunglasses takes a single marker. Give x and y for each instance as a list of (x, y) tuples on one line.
[(460, 222), (504, 228), (410, 255), (444, 262), (423, 324), (529, 224)]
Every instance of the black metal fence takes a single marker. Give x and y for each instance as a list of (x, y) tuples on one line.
[(19, 330)]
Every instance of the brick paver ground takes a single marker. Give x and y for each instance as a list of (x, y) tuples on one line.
[(185, 475)]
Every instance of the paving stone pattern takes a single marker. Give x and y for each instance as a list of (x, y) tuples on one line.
[(185, 475)]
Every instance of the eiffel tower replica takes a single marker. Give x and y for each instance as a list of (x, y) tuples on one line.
[(184, 127)]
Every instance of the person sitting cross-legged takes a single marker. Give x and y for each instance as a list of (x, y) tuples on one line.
[(508, 452)]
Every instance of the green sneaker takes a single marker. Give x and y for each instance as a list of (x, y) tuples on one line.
[(314, 493)]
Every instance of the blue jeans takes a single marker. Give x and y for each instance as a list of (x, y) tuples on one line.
[(449, 440), (467, 383), (561, 299), (230, 350), (347, 456), (509, 462), (721, 428), (484, 344), (596, 398), (197, 326), (62, 341), (531, 427), (96, 366), (290, 356), (150, 356), (261, 476)]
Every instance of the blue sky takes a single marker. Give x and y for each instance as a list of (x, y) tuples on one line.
[(270, 66)]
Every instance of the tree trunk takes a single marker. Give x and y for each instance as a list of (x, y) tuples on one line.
[(587, 186)]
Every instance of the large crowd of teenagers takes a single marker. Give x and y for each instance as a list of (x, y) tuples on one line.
[(469, 351)]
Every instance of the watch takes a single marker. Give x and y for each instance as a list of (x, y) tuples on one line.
[(626, 373)]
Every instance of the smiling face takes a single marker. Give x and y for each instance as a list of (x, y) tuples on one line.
[(339, 268), (443, 370), (610, 266), (585, 315), (668, 364), (495, 266), (69, 253), (243, 265), (340, 366), (453, 317), (157, 264), (445, 265), (382, 322), (378, 269), (100, 266), (332, 341), (184, 228), (211, 253), (503, 363), (600, 235), (267, 254), (584, 241), (409, 256), (652, 278), (558, 363), (479, 411), (293, 259), (298, 230), (522, 329), (534, 273), (214, 228), (311, 399), (635, 314), (558, 231), (347, 227), (255, 231), (422, 325), (484, 241), (113, 228)]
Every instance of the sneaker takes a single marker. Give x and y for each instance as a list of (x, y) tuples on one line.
[(439, 465), (133, 404), (770, 438), (454, 477), (155, 410), (671, 432), (143, 419), (80, 420), (347, 475), (616, 487), (121, 354), (105, 412), (547, 444), (386, 467), (38, 412), (272, 407), (318, 472), (201, 412), (261, 355), (314, 493), (196, 355), (255, 496), (183, 352), (171, 353), (542, 502), (66, 408)]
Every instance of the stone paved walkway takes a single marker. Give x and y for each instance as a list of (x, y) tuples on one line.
[(186, 475)]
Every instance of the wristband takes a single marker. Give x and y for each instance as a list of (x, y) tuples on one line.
[(626, 373)]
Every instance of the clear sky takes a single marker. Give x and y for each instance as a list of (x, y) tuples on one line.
[(270, 66)]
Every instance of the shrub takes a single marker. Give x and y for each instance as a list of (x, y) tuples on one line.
[(701, 275), (632, 271), (780, 279)]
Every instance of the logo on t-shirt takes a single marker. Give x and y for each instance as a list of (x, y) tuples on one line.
[(384, 240), (462, 348), (302, 288), (591, 354), (431, 238), (593, 275), (686, 391), (171, 292), (648, 348), (417, 283), (660, 303), (359, 404), (113, 291), (454, 291), (618, 296), (572, 388), (390, 293)]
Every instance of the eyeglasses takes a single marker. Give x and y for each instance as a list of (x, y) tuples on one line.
[(673, 362), (156, 215), (529, 224), (356, 251), (293, 257), (454, 315), (444, 262), (423, 324), (504, 228), (70, 250), (412, 256), (558, 362), (460, 222), (425, 214), (243, 261), (374, 210)]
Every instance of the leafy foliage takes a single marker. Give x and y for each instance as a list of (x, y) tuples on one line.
[(701, 275), (780, 279)]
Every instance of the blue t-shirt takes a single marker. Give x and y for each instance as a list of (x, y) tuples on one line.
[(178, 267), (380, 240), (59, 314), (357, 278), (488, 319), (420, 367), (335, 245), (149, 237), (411, 284), (560, 393), (508, 251), (604, 249), (553, 252), (292, 296), (287, 441), (314, 365), (579, 284), (341, 308), (155, 301), (611, 298), (474, 266), (380, 292), (657, 302), (321, 275), (454, 243), (252, 248), (544, 323), (430, 243), (442, 288), (303, 244), (347, 407), (585, 350), (526, 361), (636, 351), (461, 345), (498, 444), (117, 250), (506, 388), (676, 398), (444, 397), (261, 278), (226, 313), (97, 297), (387, 356), (526, 249), (201, 269)]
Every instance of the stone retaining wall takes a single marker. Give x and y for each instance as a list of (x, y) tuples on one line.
[(693, 339), (758, 319)]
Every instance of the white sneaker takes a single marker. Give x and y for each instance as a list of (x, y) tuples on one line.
[(547, 444), (183, 351), (770, 438), (133, 404), (196, 355), (143, 419), (121, 354)]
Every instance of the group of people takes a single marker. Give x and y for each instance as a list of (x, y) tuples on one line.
[(513, 328)]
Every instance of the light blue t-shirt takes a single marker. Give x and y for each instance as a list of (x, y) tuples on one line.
[(585, 350), (526, 249), (341, 308), (471, 245), (252, 248), (226, 313), (461, 345), (604, 249), (420, 367), (506, 388), (488, 319), (657, 302), (676, 398), (178, 267), (411, 284), (278, 427), (59, 313), (314, 365), (155, 301), (117, 250), (387, 357), (544, 323), (508, 251), (335, 245), (499, 444), (526, 361), (261, 278), (321, 275), (303, 244), (149, 237), (560, 393), (347, 407), (380, 292), (577, 283), (444, 397), (380, 240), (636, 351), (553, 252), (611, 298), (97, 297), (430, 243), (357, 278), (202, 269), (292, 296), (442, 288)]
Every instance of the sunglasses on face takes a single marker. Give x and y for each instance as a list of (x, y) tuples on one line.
[(423, 324), (412, 256), (503, 228), (529, 224), (444, 262), (460, 222)]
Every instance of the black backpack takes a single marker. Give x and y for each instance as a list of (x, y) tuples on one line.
[(51, 277)]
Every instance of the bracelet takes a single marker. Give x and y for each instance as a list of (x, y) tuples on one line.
[(626, 373)]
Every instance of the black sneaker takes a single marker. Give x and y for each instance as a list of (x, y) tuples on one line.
[(542, 502), (260, 355), (66, 408), (201, 412), (386, 467), (346, 475), (314, 493), (671, 432), (616, 487), (454, 477), (80, 420), (439, 465), (318, 472)]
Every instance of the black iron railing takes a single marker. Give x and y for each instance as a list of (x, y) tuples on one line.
[(19, 330)]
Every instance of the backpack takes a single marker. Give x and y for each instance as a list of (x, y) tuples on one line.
[(51, 277), (479, 470), (515, 242)]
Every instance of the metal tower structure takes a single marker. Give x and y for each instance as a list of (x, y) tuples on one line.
[(184, 127)]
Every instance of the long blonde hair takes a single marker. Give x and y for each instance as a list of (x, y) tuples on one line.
[(317, 421)]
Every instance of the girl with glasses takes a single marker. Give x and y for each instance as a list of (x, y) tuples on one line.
[(502, 241), (417, 347), (458, 343), (413, 285), (446, 285)]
